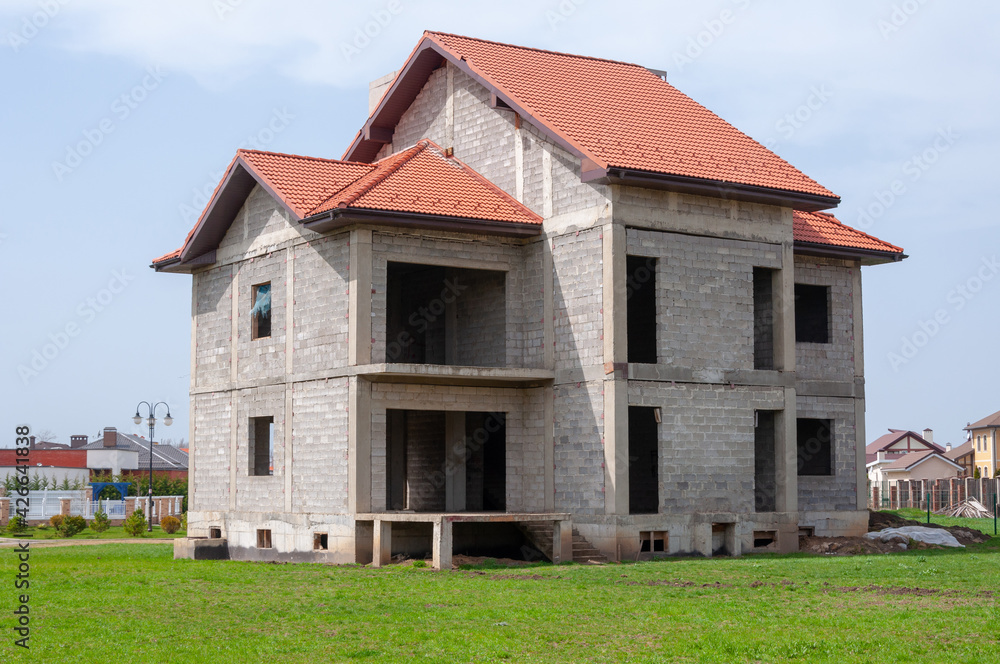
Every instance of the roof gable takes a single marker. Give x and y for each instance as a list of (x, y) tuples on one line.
[(613, 115), (914, 459), (420, 183), (896, 437)]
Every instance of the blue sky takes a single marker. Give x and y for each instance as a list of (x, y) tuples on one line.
[(119, 115)]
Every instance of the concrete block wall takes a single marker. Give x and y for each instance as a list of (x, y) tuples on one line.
[(320, 323), (578, 278), (425, 460), (578, 448), (839, 491), (705, 304), (706, 449), (211, 458), (834, 360), (524, 427), (319, 462), (482, 326), (263, 357), (260, 493), (212, 291)]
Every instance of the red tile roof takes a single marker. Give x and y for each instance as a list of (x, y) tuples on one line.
[(823, 228), (622, 115), (421, 180)]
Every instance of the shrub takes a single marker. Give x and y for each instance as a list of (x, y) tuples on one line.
[(100, 522), (135, 525), (17, 525), (56, 521), (184, 522), (71, 525), (42, 526), (420, 563), (170, 524)]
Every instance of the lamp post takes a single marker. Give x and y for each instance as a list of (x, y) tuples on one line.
[(151, 421)]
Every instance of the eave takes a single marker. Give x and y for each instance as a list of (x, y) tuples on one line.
[(865, 256), (344, 217)]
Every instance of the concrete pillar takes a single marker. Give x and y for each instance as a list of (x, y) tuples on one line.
[(443, 545), (784, 305), (360, 298), (733, 539), (701, 539), (562, 541), (4, 511), (614, 302), (786, 469), (454, 483), (382, 543), (64, 506), (359, 446)]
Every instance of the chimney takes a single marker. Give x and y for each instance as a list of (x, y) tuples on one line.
[(31, 442), (110, 437), (377, 88), (947, 448), (881, 456), (929, 435), (76, 442)]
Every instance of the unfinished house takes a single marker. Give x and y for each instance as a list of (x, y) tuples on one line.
[(544, 303)]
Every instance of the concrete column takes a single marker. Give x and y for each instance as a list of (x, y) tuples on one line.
[(562, 541), (784, 306), (359, 444), (786, 471), (454, 481), (614, 297), (234, 328), (701, 536), (733, 539), (64, 506), (360, 298), (442, 544), (382, 543), (549, 500)]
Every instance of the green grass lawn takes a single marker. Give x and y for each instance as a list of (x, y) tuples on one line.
[(114, 532), (123, 602)]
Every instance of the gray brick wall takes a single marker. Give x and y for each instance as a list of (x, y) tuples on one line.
[(320, 323), (263, 357), (839, 491), (704, 296), (577, 260), (264, 493), (706, 437), (578, 447), (213, 311), (319, 446), (210, 478), (834, 360)]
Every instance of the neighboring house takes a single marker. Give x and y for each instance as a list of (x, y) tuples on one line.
[(925, 465), (983, 435), (539, 289), (124, 454), (964, 455), (896, 444), (52, 464)]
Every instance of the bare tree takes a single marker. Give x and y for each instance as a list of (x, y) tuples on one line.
[(45, 436)]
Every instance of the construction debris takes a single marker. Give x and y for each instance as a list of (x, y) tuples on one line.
[(970, 508)]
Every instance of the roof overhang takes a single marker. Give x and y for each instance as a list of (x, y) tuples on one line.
[(920, 461), (866, 256), (714, 188), (344, 217)]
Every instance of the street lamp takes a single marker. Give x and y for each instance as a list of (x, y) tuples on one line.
[(151, 421)]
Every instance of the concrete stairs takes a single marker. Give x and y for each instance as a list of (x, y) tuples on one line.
[(539, 533)]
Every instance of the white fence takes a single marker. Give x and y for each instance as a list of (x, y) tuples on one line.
[(42, 505)]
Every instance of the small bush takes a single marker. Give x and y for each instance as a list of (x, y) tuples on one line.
[(420, 563), (17, 525), (56, 521), (170, 524), (42, 526), (135, 525), (100, 523), (71, 525), (184, 522)]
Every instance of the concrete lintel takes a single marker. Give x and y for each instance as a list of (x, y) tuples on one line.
[(826, 388), (465, 517), (742, 377)]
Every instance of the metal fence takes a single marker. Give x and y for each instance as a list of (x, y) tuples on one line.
[(942, 494), (42, 505)]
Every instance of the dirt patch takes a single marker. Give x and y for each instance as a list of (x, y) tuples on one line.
[(459, 560), (845, 546), (903, 591)]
